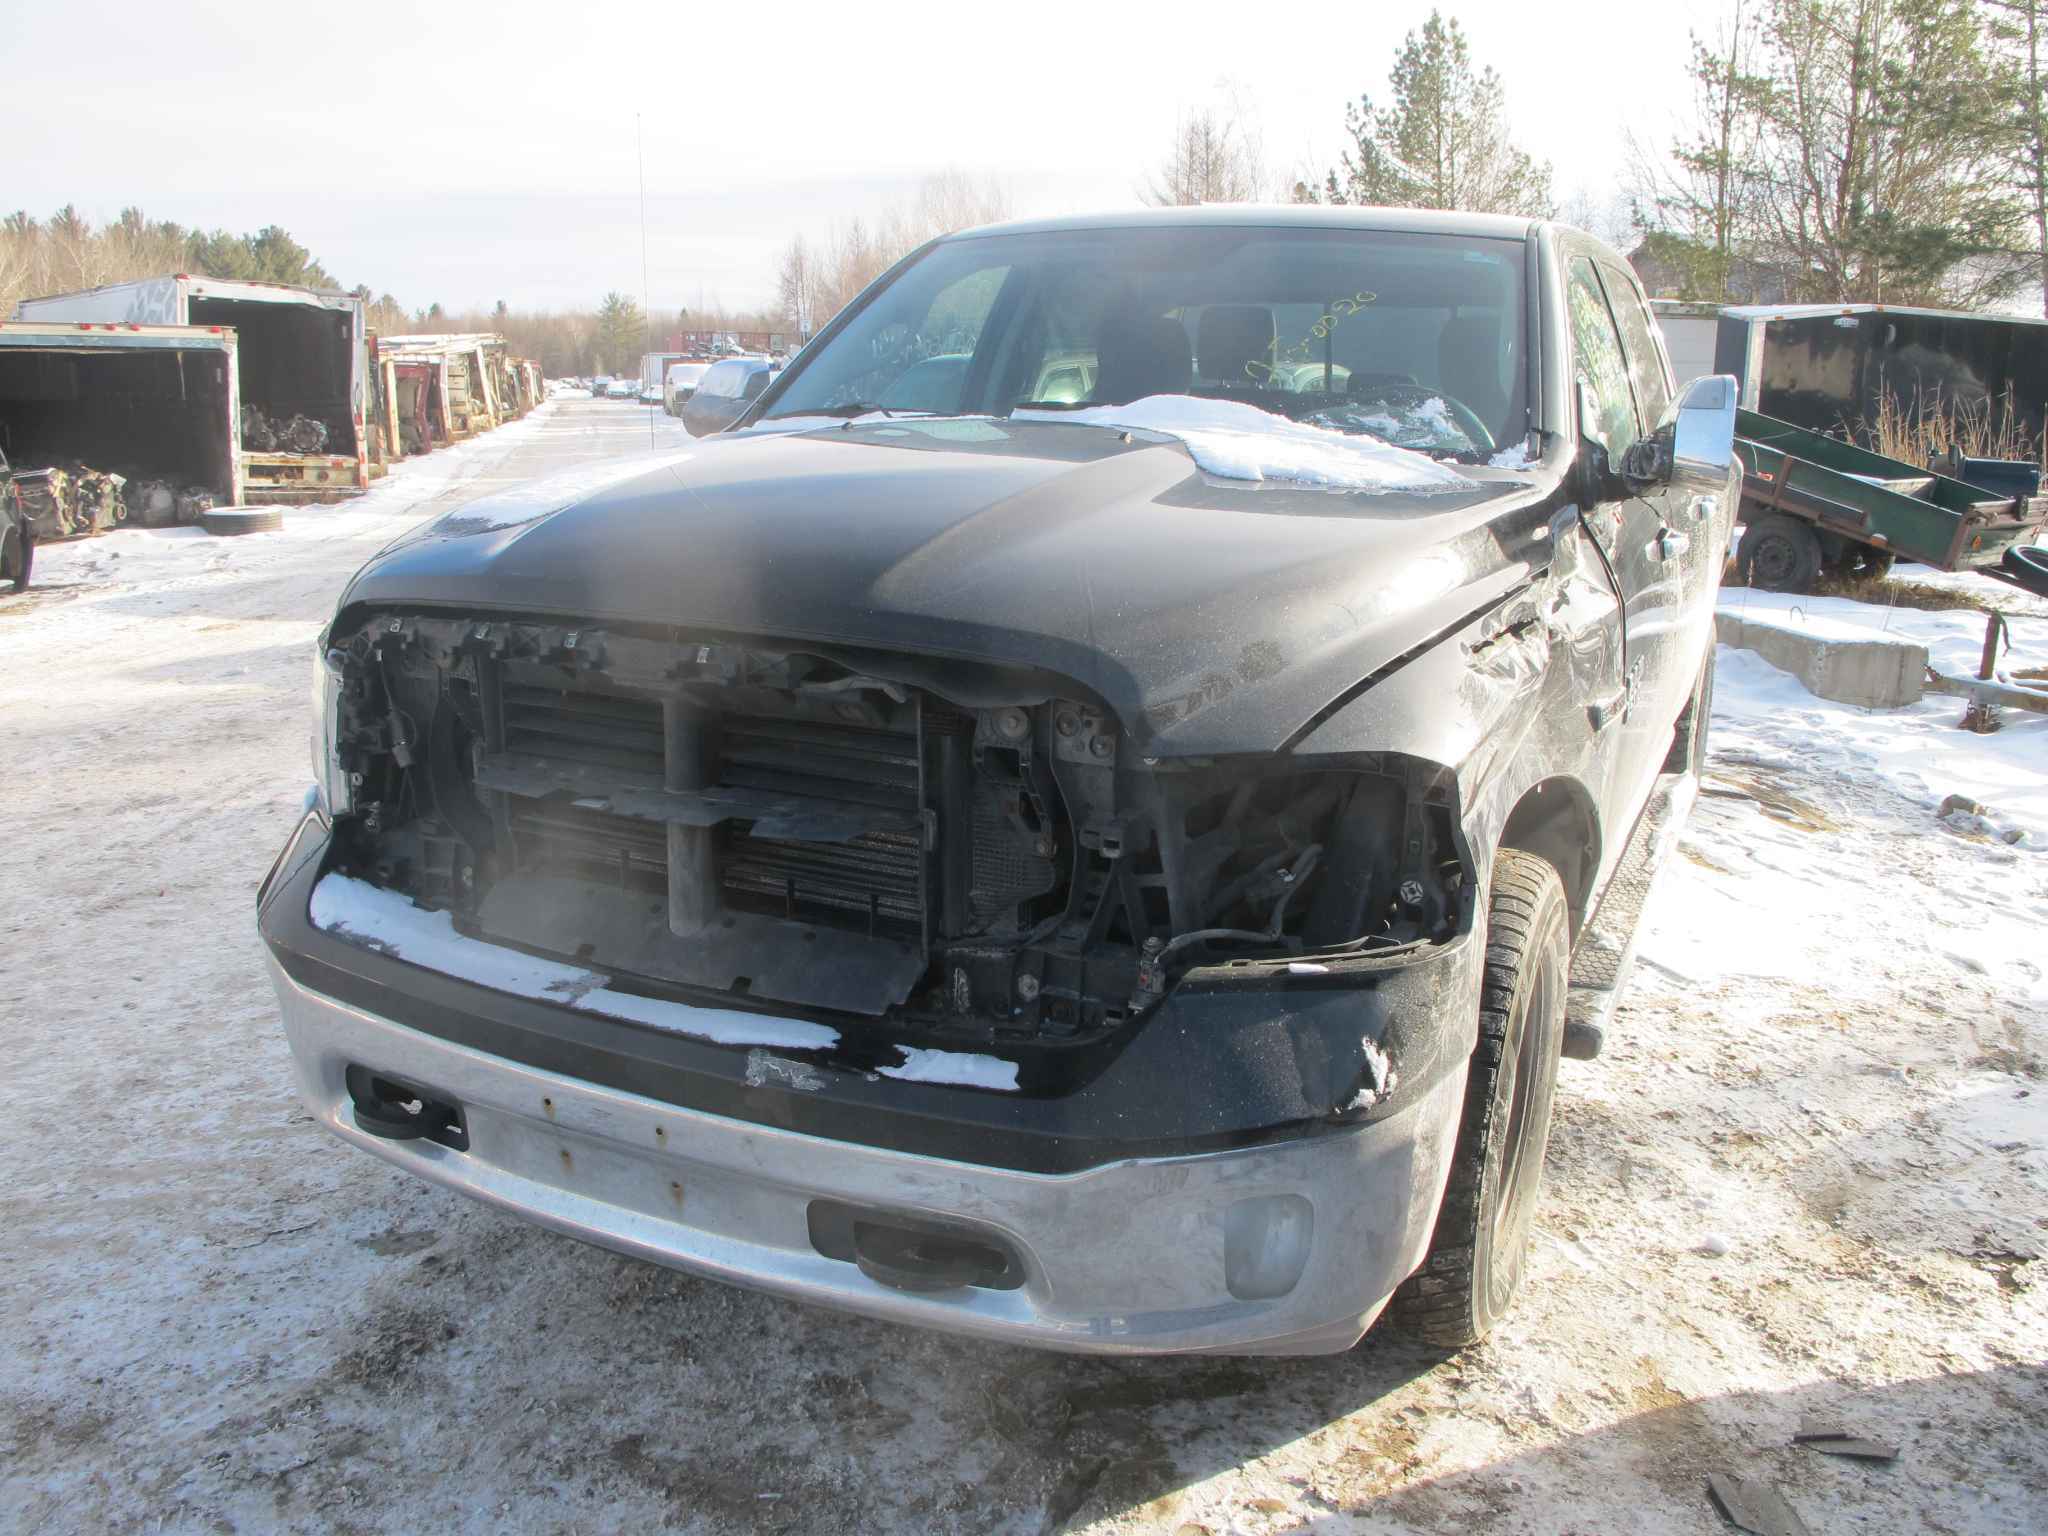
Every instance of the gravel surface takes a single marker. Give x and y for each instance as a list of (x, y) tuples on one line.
[(1809, 1180)]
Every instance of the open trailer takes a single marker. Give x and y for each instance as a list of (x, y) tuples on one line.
[(1811, 502), (156, 406), (301, 432)]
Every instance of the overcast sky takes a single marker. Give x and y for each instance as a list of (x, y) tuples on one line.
[(501, 163)]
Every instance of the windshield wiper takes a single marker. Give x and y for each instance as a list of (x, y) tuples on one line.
[(857, 408)]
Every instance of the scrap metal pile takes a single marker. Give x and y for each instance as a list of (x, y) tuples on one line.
[(75, 501), (270, 434), (70, 501)]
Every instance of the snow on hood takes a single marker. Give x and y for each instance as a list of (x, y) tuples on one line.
[(1235, 441), (553, 493)]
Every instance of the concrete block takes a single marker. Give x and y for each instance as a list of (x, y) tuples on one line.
[(1834, 661)]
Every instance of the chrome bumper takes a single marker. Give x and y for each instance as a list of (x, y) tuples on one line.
[(1288, 1248)]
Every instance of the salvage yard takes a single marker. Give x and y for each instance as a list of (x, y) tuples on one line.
[(1807, 1182)]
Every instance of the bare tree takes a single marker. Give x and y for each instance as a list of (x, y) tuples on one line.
[(1700, 196), (1214, 159), (799, 284), (2017, 31), (850, 256)]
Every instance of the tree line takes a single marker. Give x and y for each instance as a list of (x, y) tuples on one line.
[(1830, 151), (67, 252)]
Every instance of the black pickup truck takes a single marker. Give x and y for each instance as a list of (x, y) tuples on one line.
[(1089, 817)]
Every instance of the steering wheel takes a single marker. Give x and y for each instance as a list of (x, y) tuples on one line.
[(1402, 400)]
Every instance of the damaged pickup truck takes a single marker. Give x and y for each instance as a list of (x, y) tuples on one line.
[(1089, 818)]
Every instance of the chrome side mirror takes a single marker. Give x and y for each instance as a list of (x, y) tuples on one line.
[(1703, 433)]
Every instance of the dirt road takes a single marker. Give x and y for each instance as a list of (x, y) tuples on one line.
[(1810, 1179)]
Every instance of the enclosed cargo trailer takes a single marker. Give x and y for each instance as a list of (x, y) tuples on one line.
[(303, 370), (1839, 368), (145, 402)]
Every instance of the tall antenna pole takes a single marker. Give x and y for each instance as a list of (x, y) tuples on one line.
[(646, 296)]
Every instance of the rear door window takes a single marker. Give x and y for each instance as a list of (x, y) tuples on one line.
[(1647, 370), (1600, 362)]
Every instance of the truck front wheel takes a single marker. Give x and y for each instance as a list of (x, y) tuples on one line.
[(17, 557), (1482, 1229)]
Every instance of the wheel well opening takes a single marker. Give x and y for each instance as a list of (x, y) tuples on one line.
[(1555, 822)]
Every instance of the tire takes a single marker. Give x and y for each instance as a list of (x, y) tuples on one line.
[(1688, 752), (18, 557), (1477, 1252), (2027, 564), (1779, 554), (229, 521)]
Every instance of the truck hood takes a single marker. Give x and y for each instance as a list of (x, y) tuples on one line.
[(1212, 615)]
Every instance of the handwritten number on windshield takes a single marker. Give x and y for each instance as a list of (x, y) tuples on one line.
[(1338, 311)]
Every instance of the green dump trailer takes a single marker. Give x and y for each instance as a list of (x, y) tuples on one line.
[(1813, 503)]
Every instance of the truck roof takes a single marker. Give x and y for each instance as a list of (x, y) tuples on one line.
[(1276, 216)]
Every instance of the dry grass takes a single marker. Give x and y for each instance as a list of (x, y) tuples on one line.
[(1927, 431), (1892, 592)]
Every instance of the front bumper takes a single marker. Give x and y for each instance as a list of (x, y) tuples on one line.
[(1286, 1248)]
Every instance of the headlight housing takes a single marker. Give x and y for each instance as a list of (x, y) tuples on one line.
[(330, 779)]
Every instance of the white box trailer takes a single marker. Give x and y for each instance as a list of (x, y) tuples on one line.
[(654, 366), (302, 353), (155, 401)]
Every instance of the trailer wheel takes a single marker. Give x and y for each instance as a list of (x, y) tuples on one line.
[(1779, 554), (1482, 1229), (228, 521)]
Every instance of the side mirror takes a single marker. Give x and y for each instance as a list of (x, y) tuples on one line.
[(1703, 433)]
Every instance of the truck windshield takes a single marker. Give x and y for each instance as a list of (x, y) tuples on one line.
[(1414, 339)]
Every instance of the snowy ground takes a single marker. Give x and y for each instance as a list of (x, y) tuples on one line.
[(1810, 1178)]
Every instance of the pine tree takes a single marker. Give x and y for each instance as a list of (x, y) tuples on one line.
[(1443, 143), (621, 332)]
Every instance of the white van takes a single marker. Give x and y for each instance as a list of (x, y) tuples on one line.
[(680, 385)]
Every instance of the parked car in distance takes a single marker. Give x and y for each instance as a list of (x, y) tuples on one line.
[(17, 538), (650, 394), (680, 384), (622, 389), (723, 394), (1114, 871)]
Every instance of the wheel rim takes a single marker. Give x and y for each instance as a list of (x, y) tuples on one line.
[(1773, 561), (1517, 1186)]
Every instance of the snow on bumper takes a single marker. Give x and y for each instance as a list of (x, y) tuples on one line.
[(1286, 1248)]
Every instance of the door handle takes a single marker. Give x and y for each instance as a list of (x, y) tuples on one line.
[(1669, 544)]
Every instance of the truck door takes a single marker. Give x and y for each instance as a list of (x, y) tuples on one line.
[(1690, 541), (1626, 527)]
